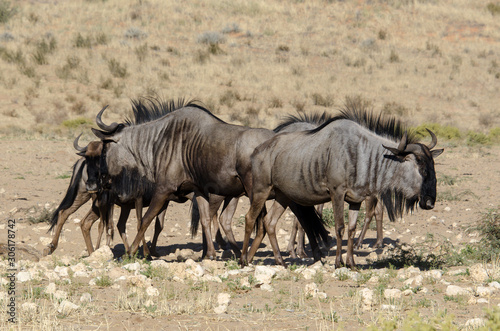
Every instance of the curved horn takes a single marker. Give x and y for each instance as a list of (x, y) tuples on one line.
[(402, 144), (108, 128), (77, 147), (434, 140)]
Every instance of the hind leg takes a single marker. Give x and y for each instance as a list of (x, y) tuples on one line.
[(62, 216), (291, 243), (379, 216), (226, 220), (86, 225), (160, 222), (370, 203)]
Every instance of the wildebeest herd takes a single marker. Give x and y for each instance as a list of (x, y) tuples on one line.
[(180, 151)]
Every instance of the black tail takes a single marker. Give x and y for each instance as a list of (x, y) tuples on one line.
[(71, 193), (312, 224), (195, 218)]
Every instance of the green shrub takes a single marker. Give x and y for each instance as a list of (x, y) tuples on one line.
[(494, 135), (447, 132), (477, 138), (76, 123)]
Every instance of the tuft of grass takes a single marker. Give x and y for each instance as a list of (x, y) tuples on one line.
[(447, 180), (323, 101), (489, 229), (493, 8), (275, 103), (394, 108), (229, 98), (6, 11), (142, 52), (117, 69), (44, 216), (82, 42), (211, 38), (104, 281), (394, 57)]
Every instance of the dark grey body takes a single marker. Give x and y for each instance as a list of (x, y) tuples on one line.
[(340, 161)]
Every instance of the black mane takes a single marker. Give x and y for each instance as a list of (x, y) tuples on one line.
[(148, 109), (316, 118), (381, 124)]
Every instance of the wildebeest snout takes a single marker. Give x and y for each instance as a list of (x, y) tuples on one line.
[(427, 202), (91, 187)]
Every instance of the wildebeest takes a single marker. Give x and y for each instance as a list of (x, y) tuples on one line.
[(75, 197), (188, 150), (341, 161), (303, 122)]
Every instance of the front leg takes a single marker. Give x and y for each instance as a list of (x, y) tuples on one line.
[(337, 197), (351, 232), (204, 208)]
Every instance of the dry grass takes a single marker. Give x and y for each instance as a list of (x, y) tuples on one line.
[(425, 61)]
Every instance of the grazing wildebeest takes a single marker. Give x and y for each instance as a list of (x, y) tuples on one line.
[(341, 161), (189, 150)]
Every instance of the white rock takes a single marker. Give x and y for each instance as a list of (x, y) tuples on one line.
[(82, 274), (51, 288), (308, 273), (29, 307), (457, 290), (194, 269), (474, 323), (223, 299), (103, 254), (447, 209), (220, 309), (61, 271), (24, 276), (264, 274), (76, 220), (66, 307), (388, 307), (366, 297), (485, 291), (132, 266), (392, 293), (482, 300), (266, 287), (152, 291), (495, 285), (407, 292), (478, 273), (78, 267), (434, 274), (159, 264), (414, 281), (60, 295), (86, 297), (139, 281)]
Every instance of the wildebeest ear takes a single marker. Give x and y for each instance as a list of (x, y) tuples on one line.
[(103, 135), (435, 153), (393, 150)]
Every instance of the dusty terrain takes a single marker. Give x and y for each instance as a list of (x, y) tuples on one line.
[(431, 63)]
